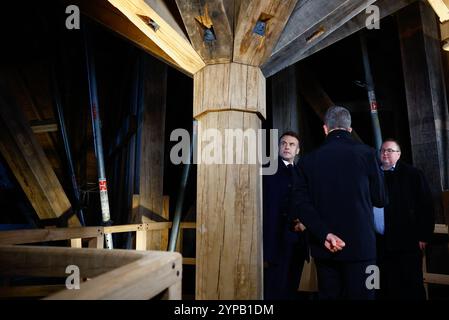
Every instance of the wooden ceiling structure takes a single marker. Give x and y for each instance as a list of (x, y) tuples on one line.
[(294, 29), (229, 47)]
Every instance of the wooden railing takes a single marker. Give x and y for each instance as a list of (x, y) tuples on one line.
[(94, 238), (435, 278), (113, 274)]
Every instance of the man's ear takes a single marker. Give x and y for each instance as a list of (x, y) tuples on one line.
[(326, 130), (349, 129), (297, 151)]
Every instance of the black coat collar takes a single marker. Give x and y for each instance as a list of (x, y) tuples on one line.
[(338, 134)]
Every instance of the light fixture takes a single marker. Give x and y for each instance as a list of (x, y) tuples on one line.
[(441, 7)]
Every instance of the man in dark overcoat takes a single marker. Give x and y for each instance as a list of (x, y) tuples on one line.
[(403, 227), (338, 186), (285, 243)]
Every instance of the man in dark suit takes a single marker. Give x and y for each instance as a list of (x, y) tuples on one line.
[(403, 227), (338, 186), (285, 249)]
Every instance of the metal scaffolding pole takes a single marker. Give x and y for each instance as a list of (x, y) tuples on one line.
[(182, 187), (371, 94), (98, 143)]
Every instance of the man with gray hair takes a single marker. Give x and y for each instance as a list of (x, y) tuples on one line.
[(338, 185)]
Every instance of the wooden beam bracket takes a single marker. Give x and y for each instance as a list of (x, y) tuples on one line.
[(207, 26), (149, 22), (261, 24)]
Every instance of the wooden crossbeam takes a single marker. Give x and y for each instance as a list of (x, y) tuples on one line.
[(258, 27), (109, 16), (43, 126), (311, 22), (30, 166), (151, 19), (130, 19), (441, 8), (209, 27), (44, 235), (386, 8)]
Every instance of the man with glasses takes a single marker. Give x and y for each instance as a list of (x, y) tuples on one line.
[(403, 227)]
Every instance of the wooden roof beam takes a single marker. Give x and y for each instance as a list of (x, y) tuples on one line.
[(43, 126), (150, 25), (30, 166), (311, 22), (209, 27), (386, 7), (258, 27), (441, 8), (149, 17)]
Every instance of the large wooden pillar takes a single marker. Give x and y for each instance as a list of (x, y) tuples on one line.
[(425, 94), (229, 41), (229, 203)]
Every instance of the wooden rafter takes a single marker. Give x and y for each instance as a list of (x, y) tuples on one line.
[(209, 28), (311, 22), (145, 15), (30, 166), (254, 48), (150, 25), (386, 8), (42, 126), (109, 16), (441, 8)]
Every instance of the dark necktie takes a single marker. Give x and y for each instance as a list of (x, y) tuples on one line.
[(290, 169)]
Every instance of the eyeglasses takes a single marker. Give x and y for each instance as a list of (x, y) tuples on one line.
[(389, 150)]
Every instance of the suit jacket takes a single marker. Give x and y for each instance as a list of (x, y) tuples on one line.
[(277, 203), (409, 216), (338, 185)]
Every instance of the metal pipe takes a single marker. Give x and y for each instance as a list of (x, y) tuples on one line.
[(98, 143), (182, 187), (68, 153), (371, 94)]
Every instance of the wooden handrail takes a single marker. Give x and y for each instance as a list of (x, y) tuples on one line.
[(54, 234), (43, 235), (124, 228), (115, 274)]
